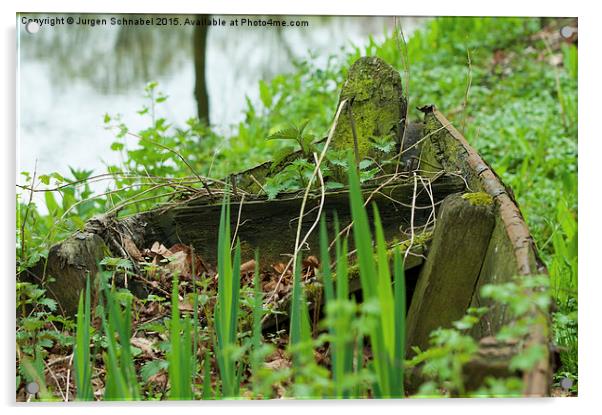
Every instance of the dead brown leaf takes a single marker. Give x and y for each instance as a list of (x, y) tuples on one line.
[(311, 261), (145, 345), (178, 264), (247, 267), (159, 379), (160, 249), (278, 360), (193, 261), (279, 267), (131, 248), (185, 306)]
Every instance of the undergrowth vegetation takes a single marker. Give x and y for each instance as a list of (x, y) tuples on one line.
[(508, 84)]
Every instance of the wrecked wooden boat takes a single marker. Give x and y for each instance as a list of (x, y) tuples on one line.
[(438, 199)]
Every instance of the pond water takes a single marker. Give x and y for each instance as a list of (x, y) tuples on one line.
[(69, 76)]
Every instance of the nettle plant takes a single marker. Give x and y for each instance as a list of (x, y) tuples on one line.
[(38, 334), (293, 165)]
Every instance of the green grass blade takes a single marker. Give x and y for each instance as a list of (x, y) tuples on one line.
[(384, 292), (400, 320), (234, 304), (227, 306), (257, 316), (83, 367), (180, 354), (370, 282), (361, 232), (121, 383), (325, 262), (207, 393)]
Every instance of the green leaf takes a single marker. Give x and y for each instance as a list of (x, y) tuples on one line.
[(265, 94), (152, 367), (286, 134), (117, 146), (48, 303), (364, 164), (51, 204), (528, 358)]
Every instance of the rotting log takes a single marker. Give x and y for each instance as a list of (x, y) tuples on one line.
[(266, 225), (444, 288), (69, 263), (270, 225)]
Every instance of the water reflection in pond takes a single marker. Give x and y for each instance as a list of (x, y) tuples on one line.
[(70, 76)]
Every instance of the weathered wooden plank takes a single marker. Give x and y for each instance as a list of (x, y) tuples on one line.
[(446, 282), (270, 225)]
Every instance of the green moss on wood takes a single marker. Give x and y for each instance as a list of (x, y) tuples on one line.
[(478, 198), (374, 92)]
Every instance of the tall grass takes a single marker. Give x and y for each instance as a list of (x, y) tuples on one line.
[(388, 331), (121, 383), (340, 311), (227, 306), (180, 357), (83, 365), (300, 340)]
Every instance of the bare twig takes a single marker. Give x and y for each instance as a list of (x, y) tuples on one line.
[(466, 92), (181, 157), (258, 183), (424, 138), (317, 172), (242, 200), (412, 235), (33, 180), (68, 378), (429, 191), (58, 384)]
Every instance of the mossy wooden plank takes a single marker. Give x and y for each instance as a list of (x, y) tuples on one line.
[(452, 268), (270, 225), (499, 266), (375, 106)]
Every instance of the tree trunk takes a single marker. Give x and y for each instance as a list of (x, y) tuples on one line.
[(200, 87)]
